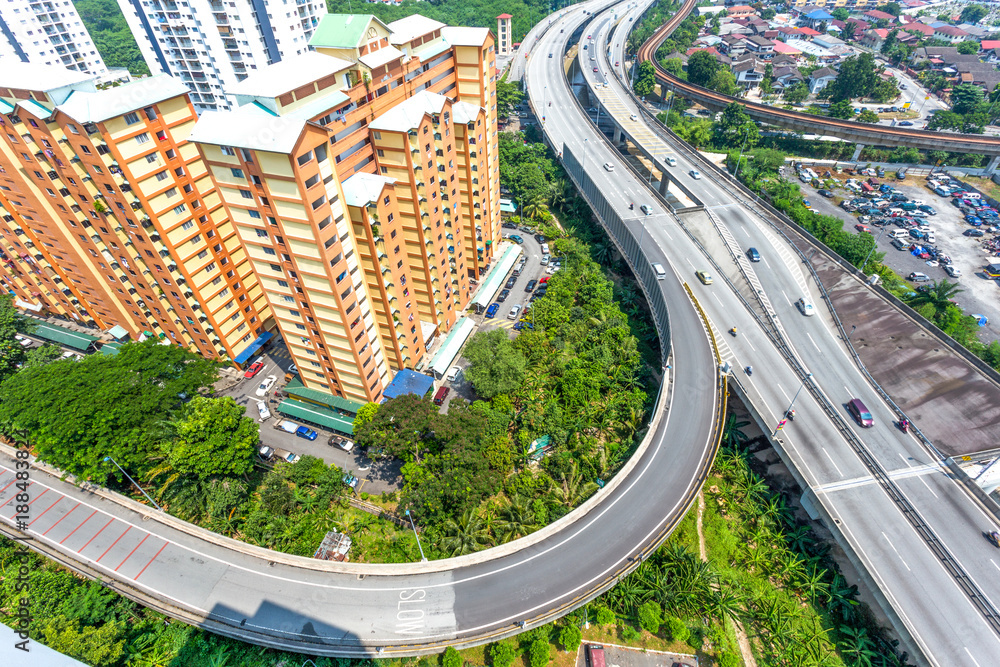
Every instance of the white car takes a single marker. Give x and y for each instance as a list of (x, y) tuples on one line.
[(453, 373), (262, 410), (695, 175), (25, 342), (266, 385), (807, 308), (293, 369), (512, 315), (671, 162), (633, 117), (608, 166), (551, 270)]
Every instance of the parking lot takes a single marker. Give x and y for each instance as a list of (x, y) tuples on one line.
[(374, 477), (979, 292), (517, 295)]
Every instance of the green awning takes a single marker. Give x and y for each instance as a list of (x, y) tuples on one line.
[(299, 390), (111, 348), (63, 336), (315, 414)]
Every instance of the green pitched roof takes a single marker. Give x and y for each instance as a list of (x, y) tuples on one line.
[(111, 348), (297, 389), (342, 31), (315, 414), (62, 336)]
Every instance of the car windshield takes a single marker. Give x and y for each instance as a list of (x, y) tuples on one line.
[(866, 415)]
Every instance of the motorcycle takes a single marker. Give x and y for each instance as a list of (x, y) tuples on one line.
[(733, 332), (631, 206), (790, 415), (749, 370), (904, 425)]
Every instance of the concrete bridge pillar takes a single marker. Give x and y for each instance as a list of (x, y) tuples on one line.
[(992, 166), (664, 184), (857, 152), (618, 135)]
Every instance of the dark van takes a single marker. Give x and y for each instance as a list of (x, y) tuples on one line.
[(860, 413), (441, 394), (595, 655)]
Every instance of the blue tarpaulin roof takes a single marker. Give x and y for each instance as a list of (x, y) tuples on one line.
[(408, 382), (252, 348)]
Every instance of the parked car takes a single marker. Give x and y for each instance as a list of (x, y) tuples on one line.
[(544, 280), (350, 480), (509, 225), (306, 433), (492, 310), (516, 239), (825, 193), (539, 239), (905, 123), (952, 271), (862, 228), (262, 410), (974, 232), (341, 442), (510, 282), (503, 295), (918, 277), (530, 286), (512, 315), (441, 394), (453, 373), (266, 385), (253, 369)]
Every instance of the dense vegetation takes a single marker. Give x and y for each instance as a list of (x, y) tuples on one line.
[(475, 13), (111, 34)]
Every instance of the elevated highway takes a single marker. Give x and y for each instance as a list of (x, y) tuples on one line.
[(912, 530), (357, 609), (862, 134)]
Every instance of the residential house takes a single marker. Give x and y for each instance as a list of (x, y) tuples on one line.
[(877, 15), (919, 28), (820, 78), (781, 49), (733, 45), (809, 32), (828, 41), (874, 39), (974, 30), (748, 72), (989, 44), (760, 46), (782, 59), (742, 11), (785, 77), (950, 33), (816, 18)]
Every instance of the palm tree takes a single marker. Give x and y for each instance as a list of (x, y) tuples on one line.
[(732, 436), (558, 192), (841, 597), (857, 646), (464, 536), (603, 251), (534, 207), (571, 489), (516, 519), (938, 295)]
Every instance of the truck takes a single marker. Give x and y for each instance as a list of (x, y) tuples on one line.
[(286, 425)]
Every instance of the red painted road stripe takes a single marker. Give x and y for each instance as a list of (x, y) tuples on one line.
[(8, 486), (95, 535), (61, 518), (132, 552), (113, 544), (77, 528), (136, 578), (46, 510)]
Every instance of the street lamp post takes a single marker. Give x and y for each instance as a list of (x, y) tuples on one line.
[(108, 458), (877, 238), (853, 327), (791, 405), (423, 558)]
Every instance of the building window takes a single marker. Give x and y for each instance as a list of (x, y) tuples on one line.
[(238, 173), (131, 118), (269, 251), (187, 225), (254, 214), (246, 194), (151, 158), (180, 208), (226, 150), (172, 192), (162, 176), (142, 138)]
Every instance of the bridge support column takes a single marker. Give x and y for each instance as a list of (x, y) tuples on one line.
[(857, 152), (992, 166), (664, 184), (618, 135)]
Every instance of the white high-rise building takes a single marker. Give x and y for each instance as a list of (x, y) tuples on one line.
[(48, 32), (211, 45)]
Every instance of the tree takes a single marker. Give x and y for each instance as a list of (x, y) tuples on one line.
[(891, 8), (723, 81), (451, 658), (674, 66), (538, 653), (735, 128), (966, 98), (973, 14), (796, 94), (889, 43), (885, 90), (503, 653), (650, 616), (968, 48), (938, 295), (570, 637), (496, 367), (112, 37), (858, 77), (702, 66), (841, 109), (464, 536), (214, 437), (645, 80), (695, 132), (365, 414), (12, 322), (676, 628), (946, 120), (76, 414), (867, 116), (841, 13), (509, 95), (849, 30)]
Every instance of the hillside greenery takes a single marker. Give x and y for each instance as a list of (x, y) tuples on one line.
[(111, 34)]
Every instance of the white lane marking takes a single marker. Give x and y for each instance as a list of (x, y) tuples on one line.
[(897, 552), (718, 299), (787, 300), (834, 463), (782, 392), (764, 259), (688, 260), (908, 465), (747, 339), (994, 564), (814, 343), (970, 656)]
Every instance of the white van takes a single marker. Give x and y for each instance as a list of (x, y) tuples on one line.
[(659, 270), (930, 236), (899, 234)]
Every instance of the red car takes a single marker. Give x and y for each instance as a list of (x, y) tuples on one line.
[(862, 228), (255, 368), (544, 280)]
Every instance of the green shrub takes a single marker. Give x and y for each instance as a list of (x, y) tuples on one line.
[(650, 616), (629, 633), (676, 629), (503, 653), (604, 616), (451, 658), (727, 659), (538, 654), (570, 637)]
